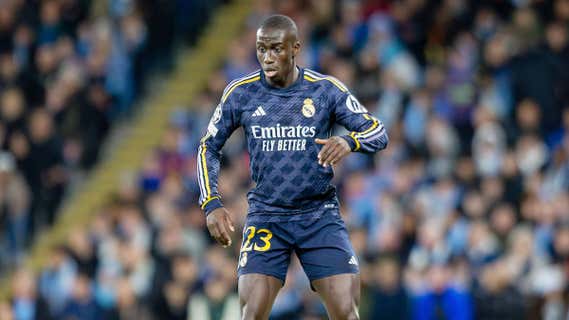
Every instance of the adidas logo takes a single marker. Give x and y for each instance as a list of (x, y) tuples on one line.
[(259, 112), (353, 261)]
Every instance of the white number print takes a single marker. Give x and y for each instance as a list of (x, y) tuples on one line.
[(354, 105)]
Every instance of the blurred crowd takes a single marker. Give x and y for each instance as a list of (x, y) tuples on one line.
[(66, 76), (464, 216)]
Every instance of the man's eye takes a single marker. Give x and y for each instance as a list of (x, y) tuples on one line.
[(278, 50), (262, 50)]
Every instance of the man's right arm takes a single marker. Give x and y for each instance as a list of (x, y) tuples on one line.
[(223, 122)]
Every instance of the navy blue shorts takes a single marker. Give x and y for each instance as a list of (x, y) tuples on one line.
[(319, 239)]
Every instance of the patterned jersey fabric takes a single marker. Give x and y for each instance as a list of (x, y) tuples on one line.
[(280, 126)]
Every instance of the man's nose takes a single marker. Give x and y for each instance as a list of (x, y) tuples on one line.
[(268, 57)]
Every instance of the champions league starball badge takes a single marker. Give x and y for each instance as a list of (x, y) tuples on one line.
[(308, 109)]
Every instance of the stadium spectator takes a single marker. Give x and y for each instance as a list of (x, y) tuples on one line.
[(387, 298), (15, 204), (497, 297), (26, 303), (128, 307), (81, 304), (57, 280)]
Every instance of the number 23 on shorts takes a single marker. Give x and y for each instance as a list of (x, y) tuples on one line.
[(265, 236)]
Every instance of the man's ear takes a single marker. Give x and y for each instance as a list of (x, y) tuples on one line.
[(295, 48)]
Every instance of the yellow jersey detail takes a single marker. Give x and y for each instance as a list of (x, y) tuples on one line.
[(332, 80), (208, 200), (237, 84)]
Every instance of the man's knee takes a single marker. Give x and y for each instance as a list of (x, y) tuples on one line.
[(347, 311), (254, 311), (341, 294)]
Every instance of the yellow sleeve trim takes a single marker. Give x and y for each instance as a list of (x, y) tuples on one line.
[(208, 201), (237, 84), (204, 168), (332, 80), (355, 135), (337, 84), (309, 78), (373, 126), (358, 145)]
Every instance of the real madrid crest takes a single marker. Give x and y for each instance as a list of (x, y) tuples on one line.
[(243, 260), (308, 109)]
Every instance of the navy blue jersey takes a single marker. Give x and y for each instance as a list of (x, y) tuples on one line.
[(281, 125)]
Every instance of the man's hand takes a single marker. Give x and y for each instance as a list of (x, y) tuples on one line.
[(219, 225), (335, 149)]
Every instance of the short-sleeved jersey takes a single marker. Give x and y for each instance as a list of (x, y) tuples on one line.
[(281, 125)]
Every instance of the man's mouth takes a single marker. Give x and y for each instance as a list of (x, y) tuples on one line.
[(270, 73)]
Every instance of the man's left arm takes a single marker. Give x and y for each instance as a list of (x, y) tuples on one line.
[(368, 135)]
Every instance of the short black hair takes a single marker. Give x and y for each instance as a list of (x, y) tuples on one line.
[(280, 22)]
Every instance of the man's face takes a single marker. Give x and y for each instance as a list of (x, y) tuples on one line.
[(556, 36), (276, 50)]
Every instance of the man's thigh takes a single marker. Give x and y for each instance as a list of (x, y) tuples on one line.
[(263, 263), (265, 249), (323, 246)]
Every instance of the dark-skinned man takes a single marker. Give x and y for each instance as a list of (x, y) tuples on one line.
[(287, 113)]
